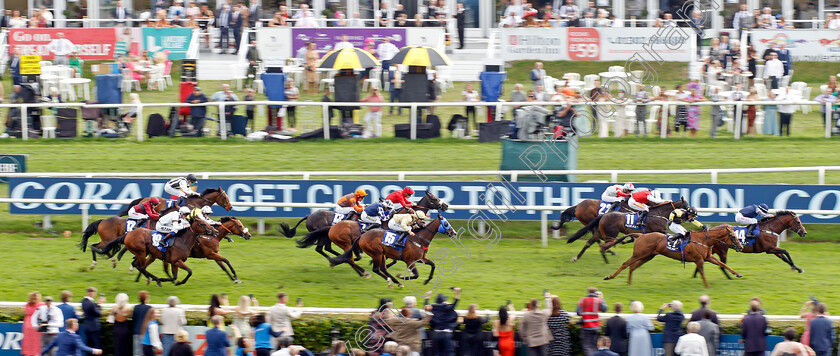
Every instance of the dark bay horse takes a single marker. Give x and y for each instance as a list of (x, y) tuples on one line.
[(657, 214), (767, 241), (139, 242), (413, 253), (208, 197), (612, 224), (208, 246), (584, 212), (324, 219), (698, 250)]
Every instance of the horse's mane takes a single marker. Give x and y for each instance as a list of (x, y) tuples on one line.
[(784, 212), (225, 219), (208, 191)]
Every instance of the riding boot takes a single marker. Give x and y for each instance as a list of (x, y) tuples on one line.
[(169, 239), (751, 230), (615, 206), (401, 240), (141, 222), (642, 216), (677, 237)]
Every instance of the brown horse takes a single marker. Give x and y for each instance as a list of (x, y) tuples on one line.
[(324, 219), (414, 251), (208, 197), (208, 247), (767, 241), (584, 212), (657, 215), (139, 242), (612, 224), (697, 250)]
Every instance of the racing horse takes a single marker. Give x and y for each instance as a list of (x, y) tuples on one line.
[(139, 243), (584, 212), (208, 197), (323, 219), (698, 250), (657, 216), (767, 240), (413, 253)]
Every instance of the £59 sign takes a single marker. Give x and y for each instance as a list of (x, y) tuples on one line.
[(584, 44)]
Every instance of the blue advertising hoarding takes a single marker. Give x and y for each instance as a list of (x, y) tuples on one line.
[(816, 197), (11, 164), (175, 40), (730, 344), (11, 336)]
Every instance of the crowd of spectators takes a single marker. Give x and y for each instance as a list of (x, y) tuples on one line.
[(401, 331)]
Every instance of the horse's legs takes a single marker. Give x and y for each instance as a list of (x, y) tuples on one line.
[(222, 266), (588, 243), (393, 262), (432, 272), (415, 273), (604, 256), (320, 249), (182, 265), (784, 256), (624, 265), (384, 268), (638, 264), (716, 261), (699, 264), (93, 253)]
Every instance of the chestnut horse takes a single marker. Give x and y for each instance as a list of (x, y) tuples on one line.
[(208, 247), (208, 197), (697, 250), (657, 215), (414, 251), (139, 242), (324, 219), (767, 241)]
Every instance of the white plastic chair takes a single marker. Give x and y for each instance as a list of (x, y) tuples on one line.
[(238, 75), (653, 114), (761, 90), (571, 76), (759, 68), (156, 78), (128, 80), (618, 69), (373, 80), (167, 73), (589, 80)]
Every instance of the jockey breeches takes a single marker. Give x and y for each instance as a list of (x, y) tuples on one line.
[(173, 191), (394, 225), (636, 205), (609, 198), (677, 229), (343, 209), (370, 219), (135, 215), (745, 220)]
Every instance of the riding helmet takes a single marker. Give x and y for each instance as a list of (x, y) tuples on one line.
[(154, 200), (361, 193), (763, 208), (408, 191), (191, 177)]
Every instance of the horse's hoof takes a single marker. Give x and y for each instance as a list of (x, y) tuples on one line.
[(612, 253), (367, 275), (606, 278), (237, 281), (738, 275), (400, 285), (427, 281), (159, 284), (801, 270), (574, 259), (399, 276)]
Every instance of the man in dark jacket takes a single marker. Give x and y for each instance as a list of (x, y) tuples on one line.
[(92, 312), (673, 325), (698, 313), (822, 332), (68, 342), (444, 321), (254, 59), (754, 331), (604, 348), (137, 317), (616, 330), (197, 113), (460, 17), (14, 67)]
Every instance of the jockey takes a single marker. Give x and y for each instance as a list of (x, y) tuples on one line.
[(172, 223), (639, 201), (143, 211), (373, 214), (351, 203), (400, 198), (751, 214), (403, 223), (679, 216), (180, 187), (616, 193), (203, 214)]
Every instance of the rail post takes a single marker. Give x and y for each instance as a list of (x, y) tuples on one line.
[(544, 227)]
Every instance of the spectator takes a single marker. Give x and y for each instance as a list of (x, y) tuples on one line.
[(339, 348), (538, 74), (789, 346), (540, 94), (752, 66), (668, 20), (402, 21), (774, 70), (344, 43), (121, 14), (173, 320), (68, 343), (341, 19), (786, 58), (197, 113), (326, 99), (356, 21), (771, 116), (786, 110), (834, 23), (673, 325), (754, 331), (389, 349), (558, 326), (472, 337), (603, 18), (311, 68), (743, 21), (177, 9), (217, 338), (782, 24), (715, 50), (517, 95), (822, 332), (47, 319), (278, 20), (14, 67), (460, 18), (588, 308), (244, 345), (470, 96), (373, 118), (226, 95), (709, 331), (92, 311), (767, 16), (137, 316), (4, 20), (283, 345), (641, 98), (382, 15), (61, 48), (832, 83), (292, 94), (151, 337), (638, 328), (263, 334), (243, 313), (254, 60), (503, 330), (386, 51), (67, 310), (254, 13), (305, 17), (182, 344), (224, 23), (408, 329), (533, 329), (121, 333), (443, 322), (604, 348), (767, 52), (751, 111), (616, 330), (218, 304), (396, 88), (193, 12), (692, 344), (280, 316), (16, 21)]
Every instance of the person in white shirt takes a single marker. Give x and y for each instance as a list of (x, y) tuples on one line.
[(767, 14), (47, 15), (691, 344), (280, 316), (386, 51), (786, 110), (774, 69), (305, 17), (60, 48), (356, 21), (383, 16), (172, 320), (834, 24), (49, 316), (344, 43)]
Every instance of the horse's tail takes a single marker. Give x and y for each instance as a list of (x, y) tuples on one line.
[(122, 252), (566, 215), (313, 237), (89, 231), (290, 232), (110, 246), (134, 202), (346, 256), (592, 224)]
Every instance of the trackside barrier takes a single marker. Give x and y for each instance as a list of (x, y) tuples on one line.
[(325, 107), (546, 209)]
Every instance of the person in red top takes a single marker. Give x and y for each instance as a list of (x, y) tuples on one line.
[(588, 308), (373, 118), (400, 198), (142, 212), (639, 201), (351, 203)]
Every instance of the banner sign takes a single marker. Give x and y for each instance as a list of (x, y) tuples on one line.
[(275, 45), (804, 45), (11, 164), (174, 40), (326, 38), (595, 44), (30, 64), (730, 344), (11, 335), (90, 43), (816, 197)]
